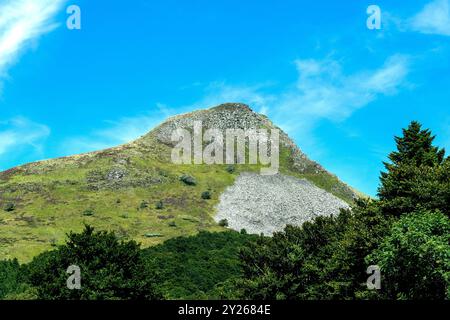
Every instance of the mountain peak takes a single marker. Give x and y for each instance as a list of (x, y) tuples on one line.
[(117, 188), (232, 116), (222, 117), (232, 105)]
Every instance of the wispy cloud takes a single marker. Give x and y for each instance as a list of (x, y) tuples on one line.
[(20, 132), (433, 19), (323, 91), (21, 22), (127, 129), (116, 132)]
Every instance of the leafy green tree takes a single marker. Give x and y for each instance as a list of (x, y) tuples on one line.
[(415, 258), (191, 267), (110, 269), (322, 259)]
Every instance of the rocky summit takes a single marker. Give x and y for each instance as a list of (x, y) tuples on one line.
[(138, 192)]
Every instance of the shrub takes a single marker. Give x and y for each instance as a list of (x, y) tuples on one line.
[(206, 195), (9, 207), (143, 205), (230, 168), (53, 242), (159, 205), (223, 223), (189, 180), (88, 212)]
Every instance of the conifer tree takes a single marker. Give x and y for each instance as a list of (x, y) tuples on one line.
[(416, 147), (415, 160)]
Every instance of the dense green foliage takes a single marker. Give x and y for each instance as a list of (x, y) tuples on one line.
[(415, 258), (110, 269), (190, 267), (328, 257), (323, 259), (11, 278), (406, 232)]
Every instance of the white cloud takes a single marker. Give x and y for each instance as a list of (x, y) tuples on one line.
[(433, 19), (323, 91), (21, 132), (116, 132), (21, 22), (130, 128)]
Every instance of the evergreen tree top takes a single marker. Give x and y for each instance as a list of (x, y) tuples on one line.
[(416, 147), (414, 169)]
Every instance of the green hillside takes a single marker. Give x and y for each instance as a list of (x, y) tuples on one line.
[(133, 189)]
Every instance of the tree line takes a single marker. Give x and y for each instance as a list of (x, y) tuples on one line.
[(405, 232)]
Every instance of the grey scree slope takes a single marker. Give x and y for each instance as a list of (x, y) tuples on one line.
[(265, 204)]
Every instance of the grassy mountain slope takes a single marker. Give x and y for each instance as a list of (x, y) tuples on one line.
[(122, 188)]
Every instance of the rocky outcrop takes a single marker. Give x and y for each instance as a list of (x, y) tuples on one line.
[(234, 116)]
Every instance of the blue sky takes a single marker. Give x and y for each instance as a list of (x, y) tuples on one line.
[(340, 90)]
